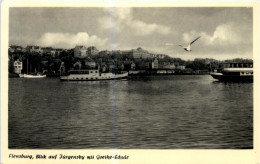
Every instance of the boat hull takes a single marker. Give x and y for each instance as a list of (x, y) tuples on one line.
[(230, 78), (107, 76), (31, 76)]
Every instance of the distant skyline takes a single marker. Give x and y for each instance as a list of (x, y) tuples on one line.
[(226, 32)]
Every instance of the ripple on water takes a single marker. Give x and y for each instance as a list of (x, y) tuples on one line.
[(161, 112)]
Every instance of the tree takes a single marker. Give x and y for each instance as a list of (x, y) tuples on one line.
[(11, 66)]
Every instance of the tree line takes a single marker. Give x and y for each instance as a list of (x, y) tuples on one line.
[(34, 61)]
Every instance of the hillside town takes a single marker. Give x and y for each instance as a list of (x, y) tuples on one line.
[(48, 60)]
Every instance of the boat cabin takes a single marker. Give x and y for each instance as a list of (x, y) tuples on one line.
[(83, 72), (237, 65), (239, 69)]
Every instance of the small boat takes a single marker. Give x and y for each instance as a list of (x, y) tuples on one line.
[(234, 72), (21, 75), (31, 76), (91, 75)]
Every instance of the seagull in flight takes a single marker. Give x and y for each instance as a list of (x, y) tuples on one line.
[(188, 48)]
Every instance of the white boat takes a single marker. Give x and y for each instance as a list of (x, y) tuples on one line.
[(234, 72), (21, 75), (31, 76), (91, 75)]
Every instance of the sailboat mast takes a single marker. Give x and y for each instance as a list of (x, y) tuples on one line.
[(27, 66)]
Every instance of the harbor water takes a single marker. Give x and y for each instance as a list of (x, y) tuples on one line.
[(152, 112)]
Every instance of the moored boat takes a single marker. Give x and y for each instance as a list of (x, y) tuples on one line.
[(234, 72), (91, 75), (31, 76)]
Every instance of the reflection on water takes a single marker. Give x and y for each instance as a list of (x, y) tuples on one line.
[(156, 112)]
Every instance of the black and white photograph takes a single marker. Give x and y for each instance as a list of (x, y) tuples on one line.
[(148, 78)]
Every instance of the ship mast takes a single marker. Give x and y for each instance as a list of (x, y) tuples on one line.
[(27, 66)]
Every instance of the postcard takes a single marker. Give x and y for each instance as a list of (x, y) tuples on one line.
[(129, 82)]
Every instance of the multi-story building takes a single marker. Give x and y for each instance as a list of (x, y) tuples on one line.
[(140, 53), (169, 66), (132, 66), (92, 51), (155, 64), (80, 52), (18, 66)]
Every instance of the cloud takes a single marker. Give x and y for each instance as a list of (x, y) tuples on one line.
[(120, 19), (142, 28), (227, 33), (68, 40), (224, 34)]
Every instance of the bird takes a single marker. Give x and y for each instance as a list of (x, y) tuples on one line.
[(188, 48)]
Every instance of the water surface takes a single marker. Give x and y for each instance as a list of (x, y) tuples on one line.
[(157, 112)]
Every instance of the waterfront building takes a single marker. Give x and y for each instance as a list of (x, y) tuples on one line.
[(103, 67), (132, 66), (111, 67), (18, 66), (147, 65), (90, 64), (80, 52), (169, 66), (92, 51), (155, 64), (182, 67), (77, 65), (62, 67), (122, 66), (161, 65)]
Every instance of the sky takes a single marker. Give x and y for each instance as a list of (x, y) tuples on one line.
[(226, 32)]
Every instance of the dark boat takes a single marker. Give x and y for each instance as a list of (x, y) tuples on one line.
[(234, 72)]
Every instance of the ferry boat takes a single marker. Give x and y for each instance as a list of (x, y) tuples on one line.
[(234, 72), (91, 75)]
